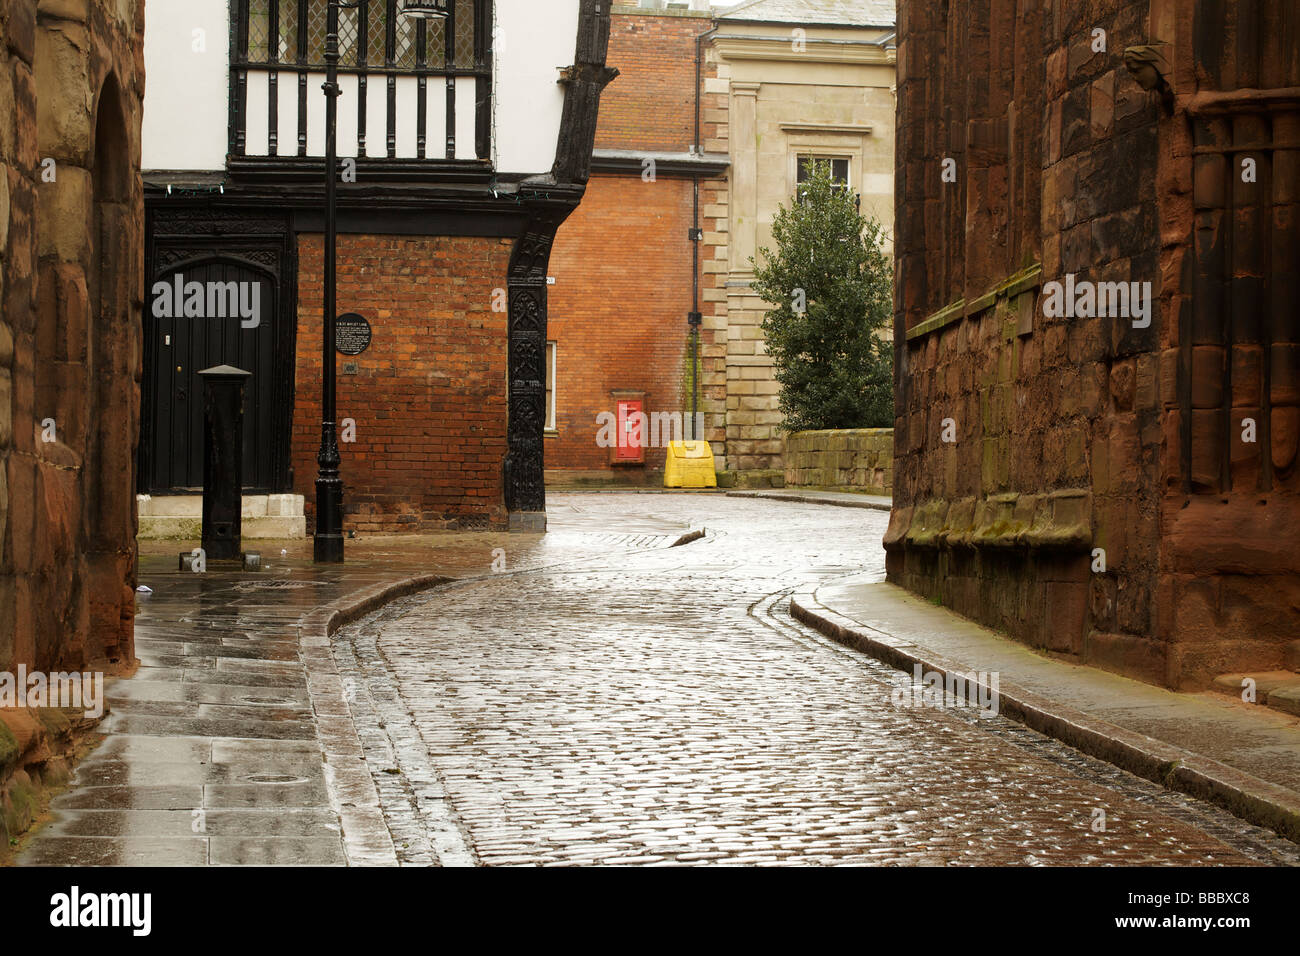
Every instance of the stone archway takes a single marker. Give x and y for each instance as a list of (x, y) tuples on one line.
[(108, 473)]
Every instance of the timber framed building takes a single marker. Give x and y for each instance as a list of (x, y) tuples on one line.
[(464, 143)]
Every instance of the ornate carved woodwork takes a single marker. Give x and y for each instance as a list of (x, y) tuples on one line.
[(185, 233), (583, 82), (524, 465)]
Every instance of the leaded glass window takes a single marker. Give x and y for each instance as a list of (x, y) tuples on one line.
[(406, 33)]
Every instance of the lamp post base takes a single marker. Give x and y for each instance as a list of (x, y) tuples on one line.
[(327, 543)]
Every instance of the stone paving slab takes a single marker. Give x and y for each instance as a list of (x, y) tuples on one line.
[(52, 850), (234, 743), (216, 747), (1261, 745)]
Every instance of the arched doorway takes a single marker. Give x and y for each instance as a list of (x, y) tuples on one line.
[(111, 395), (200, 313), (110, 434)]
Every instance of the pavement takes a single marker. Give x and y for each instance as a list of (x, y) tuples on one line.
[(597, 695), (818, 496)]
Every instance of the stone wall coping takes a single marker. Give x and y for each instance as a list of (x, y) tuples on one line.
[(842, 431), (1057, 521), (1023, 281), (632, 10)]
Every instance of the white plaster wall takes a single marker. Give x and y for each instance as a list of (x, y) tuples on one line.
[(533, 41), (407, 110), (186, 91), (186, 95)]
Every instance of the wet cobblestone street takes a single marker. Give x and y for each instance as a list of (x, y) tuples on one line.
[(608, 699)]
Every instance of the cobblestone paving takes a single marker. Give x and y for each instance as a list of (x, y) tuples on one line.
[(607, 699)]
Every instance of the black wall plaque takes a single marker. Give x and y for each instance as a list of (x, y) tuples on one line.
[(351, 334)]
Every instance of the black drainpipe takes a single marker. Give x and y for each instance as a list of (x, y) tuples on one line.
[(696, 318)]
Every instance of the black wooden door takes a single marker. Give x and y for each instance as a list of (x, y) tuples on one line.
[(182, 345)]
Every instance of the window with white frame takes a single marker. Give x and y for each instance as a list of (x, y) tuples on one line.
[(839, 167)]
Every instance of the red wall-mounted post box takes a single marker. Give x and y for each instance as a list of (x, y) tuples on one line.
[(630, 428)]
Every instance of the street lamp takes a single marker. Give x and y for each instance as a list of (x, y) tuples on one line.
[(327, 545), (425, 9)]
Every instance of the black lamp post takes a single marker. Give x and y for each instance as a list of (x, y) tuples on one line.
[(425, 9), (328, 541)]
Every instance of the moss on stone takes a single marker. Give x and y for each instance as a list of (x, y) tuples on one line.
[(21, 806), (8, 751), (55, 721)]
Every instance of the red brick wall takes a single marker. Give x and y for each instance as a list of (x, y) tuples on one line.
[(652, 103), (429, 399), (622, 262), (618, 311)]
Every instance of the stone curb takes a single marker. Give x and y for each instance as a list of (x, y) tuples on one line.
[(366, 840), (687, 538), (1257, 801), (812, 499)]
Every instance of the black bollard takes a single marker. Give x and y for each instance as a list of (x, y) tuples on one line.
[(223, 460)]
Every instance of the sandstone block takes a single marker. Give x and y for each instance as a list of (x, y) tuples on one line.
[(67, 103), (4, 198), (21, 481), (19, 265), (66, 216), (1284, 435), (21, 30), (6, 408), (1284, 376), (1247, 375), (75, 10), (25, 134), (1103, 106)]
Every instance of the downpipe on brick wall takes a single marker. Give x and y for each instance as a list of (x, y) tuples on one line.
[(695, 319)]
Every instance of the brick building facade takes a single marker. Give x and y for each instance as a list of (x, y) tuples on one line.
[(1115, 478), (625, 266), (725, 104), (462, 147), (71, 229)]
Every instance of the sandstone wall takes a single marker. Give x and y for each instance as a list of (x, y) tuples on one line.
[(71, 242), (859, 458), (1229, 369), (1061, 477)]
